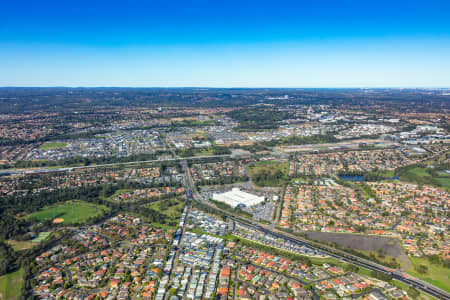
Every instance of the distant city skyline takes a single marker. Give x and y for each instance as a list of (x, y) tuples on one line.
[(225, 44)]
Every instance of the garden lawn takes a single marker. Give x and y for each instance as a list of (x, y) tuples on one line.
[(421, 172), (444, 181), (11, 285), (172, 208), (420, 175)]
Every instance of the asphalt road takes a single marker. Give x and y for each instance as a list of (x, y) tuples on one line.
[(409, 280), (338, 254), (28, 171)]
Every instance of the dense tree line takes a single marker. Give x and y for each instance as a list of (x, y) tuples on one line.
[(267, 177), (204, 160), (10, 205), (31, 202), (381, 275), (222, 180), (51, 137), (312, 139), (192, 123), (189, 152), (236, 210), (7, 258), (85, 161), (152, 216), (209, 209), (292, 140), (268, 174), (253, 148), (218, 150), (10, 226), (258, 118), (437, 260), (406, 173), (365, 175)]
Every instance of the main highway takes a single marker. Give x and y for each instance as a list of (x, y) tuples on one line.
[(52, 170), (338, 254), (344, 256)]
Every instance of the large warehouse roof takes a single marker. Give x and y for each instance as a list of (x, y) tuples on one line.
[(237, 197)]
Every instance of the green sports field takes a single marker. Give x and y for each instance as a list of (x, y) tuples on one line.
[(52, 145), (11, 285), (70, 211), (41, 237)]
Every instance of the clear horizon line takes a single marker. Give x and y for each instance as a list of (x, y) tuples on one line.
[(226, 87)]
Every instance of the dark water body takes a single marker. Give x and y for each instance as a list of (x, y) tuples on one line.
[(361, 178), (351, 178)]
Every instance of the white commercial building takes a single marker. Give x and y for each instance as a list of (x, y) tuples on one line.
[(236, 197)]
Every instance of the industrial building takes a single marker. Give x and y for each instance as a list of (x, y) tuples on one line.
[(238, 198)]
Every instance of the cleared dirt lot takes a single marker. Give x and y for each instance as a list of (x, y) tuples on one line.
[(390, 246)]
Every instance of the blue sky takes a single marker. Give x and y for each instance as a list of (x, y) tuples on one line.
[(216, 43)]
